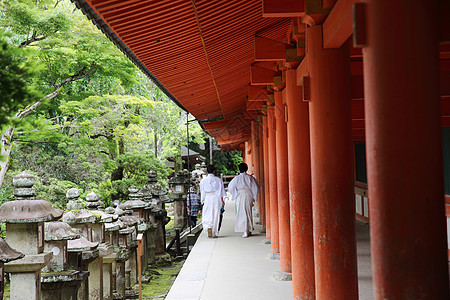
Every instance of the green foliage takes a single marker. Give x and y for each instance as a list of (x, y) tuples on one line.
[(16, 79), (136, 166), (227, 162), (54, 191)]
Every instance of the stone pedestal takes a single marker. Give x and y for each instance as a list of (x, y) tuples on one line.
[(160, 233), (108, 277), (179, 213), (96, 279), (150, 244), (25, 276), (132, 263), (120, 281)]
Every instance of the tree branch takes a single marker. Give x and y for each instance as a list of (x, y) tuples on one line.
[(107, 135), (58, 88), (32, 39)]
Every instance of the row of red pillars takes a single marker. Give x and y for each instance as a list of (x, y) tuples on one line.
[(308, 209)]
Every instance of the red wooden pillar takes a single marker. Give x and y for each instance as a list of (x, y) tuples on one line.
[(332, 169), (261, 175), (246, 151), (249, 160), (404, 151), (274, 237), (302, 247), (265, 135), (282, 184), (255, 159)]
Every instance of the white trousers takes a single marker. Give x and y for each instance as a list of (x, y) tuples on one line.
[(211, 213), (244, 204)]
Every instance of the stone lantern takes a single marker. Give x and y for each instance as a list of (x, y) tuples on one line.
[(154, 194), (81, 253), (123, 254), (131, 274), (135, 202), (7, 254), (84, 222), (179, 188), (24, 220), (107, 254), (58, 282), (109, 261), (142, 210), (98, 227), (196, 176)]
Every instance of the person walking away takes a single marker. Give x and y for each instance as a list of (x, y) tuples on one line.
[(244, 189), (212, 192), (193, 206)]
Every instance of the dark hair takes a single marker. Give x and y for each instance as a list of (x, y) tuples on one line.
[(243, 167), (210, 169)]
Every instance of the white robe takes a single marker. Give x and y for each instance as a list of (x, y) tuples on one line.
[(244, 189), (211, 191)]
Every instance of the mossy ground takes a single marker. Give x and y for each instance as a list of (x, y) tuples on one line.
[(162, 278)]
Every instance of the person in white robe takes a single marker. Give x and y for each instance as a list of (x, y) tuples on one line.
[(244, 189), (212, 192)]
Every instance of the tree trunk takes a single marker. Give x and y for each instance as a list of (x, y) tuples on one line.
[(5, 152)]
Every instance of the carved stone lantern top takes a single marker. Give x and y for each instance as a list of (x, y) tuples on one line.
[(102, 217), (133, 189), (129, 220), (80, 244), (25, 209), (58, 231), (92, 200), (78, 217), (114, 226), (73, 202)]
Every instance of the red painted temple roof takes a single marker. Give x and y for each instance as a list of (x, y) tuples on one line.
[(200, 51)]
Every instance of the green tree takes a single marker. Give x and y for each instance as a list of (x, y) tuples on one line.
[(16, 79), (69, 47), (227, 162)]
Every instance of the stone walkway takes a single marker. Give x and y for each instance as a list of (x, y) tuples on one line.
[(231, 267)]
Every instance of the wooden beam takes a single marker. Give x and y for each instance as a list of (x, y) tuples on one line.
[(338, 26), (269, 50), (254, 105), (302, 71), (283, 8), (257, 93), (261, 76)]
